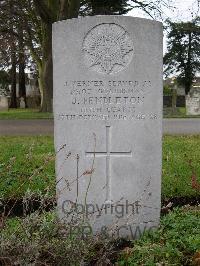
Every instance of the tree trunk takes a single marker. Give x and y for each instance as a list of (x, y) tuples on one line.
[(41, 84), (73, 9), (187, 87), (174, 98), (22, 78), (46, 73), (46, 91), (188, 72), (13, 100), (68, 9), (22, 81)]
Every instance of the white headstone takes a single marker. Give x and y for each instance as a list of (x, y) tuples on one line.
[(22, 103), (108, 122), (193, 102), (3, 103)]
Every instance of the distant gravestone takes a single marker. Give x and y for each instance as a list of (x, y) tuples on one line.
[(108, 123), (3, 103), (193, 102), (22, 104)]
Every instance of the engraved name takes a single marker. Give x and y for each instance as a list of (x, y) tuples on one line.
[(107, 99)]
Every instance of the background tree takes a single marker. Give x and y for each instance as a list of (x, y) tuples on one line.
[(12, 47), (21, 64), (40, 16), (31, 23), (4, 82), (183, 56), (37, 16), (103, 7), (50, 11)]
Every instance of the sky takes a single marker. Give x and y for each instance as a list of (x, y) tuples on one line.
[(184, 10)]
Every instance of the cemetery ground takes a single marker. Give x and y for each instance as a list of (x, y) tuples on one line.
[(24, 114), (29, 113), (30, 231), (180, 112)]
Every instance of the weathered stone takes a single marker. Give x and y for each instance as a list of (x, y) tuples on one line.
[(22, 104), (193, 102), (3, 103), (108, 122)]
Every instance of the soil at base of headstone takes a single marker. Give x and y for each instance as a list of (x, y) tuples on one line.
[(181, 201), (170, 203), (20, 208), (111, 252)]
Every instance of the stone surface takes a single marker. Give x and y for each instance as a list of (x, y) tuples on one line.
[(108, 123), (193, 102), (3, 103), (22, 104)]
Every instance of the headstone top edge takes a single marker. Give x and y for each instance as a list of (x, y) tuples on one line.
[(87, 18)]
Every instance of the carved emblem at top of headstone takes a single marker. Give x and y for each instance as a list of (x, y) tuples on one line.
[(107, 48)]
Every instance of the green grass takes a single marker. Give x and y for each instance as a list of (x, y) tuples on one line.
[(175, 243), (40, 239), (176, 173), (24, 114), (35, 114), (179, 113), (27, 163)]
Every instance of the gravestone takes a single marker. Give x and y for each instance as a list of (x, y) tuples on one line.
[(3, 103), (22, 104), (108, 123), (193, 102)]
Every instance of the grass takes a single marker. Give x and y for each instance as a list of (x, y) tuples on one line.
[(178, 153), (177, 242), (24, 114), (39, 240), (35, 114), (43, 240), (27, 163), (179, 113)]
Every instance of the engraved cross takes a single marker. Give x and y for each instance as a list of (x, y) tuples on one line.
[(108, 154)]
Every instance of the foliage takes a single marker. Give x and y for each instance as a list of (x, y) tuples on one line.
[(112, 7), (175, 243), (167, 90), (12, 46), (179, 113), (4, 82), (40, 239), (28, 164), (121, 7), (183, 56), (25, 114), (35, 18), (36, 114), (176, 170)]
